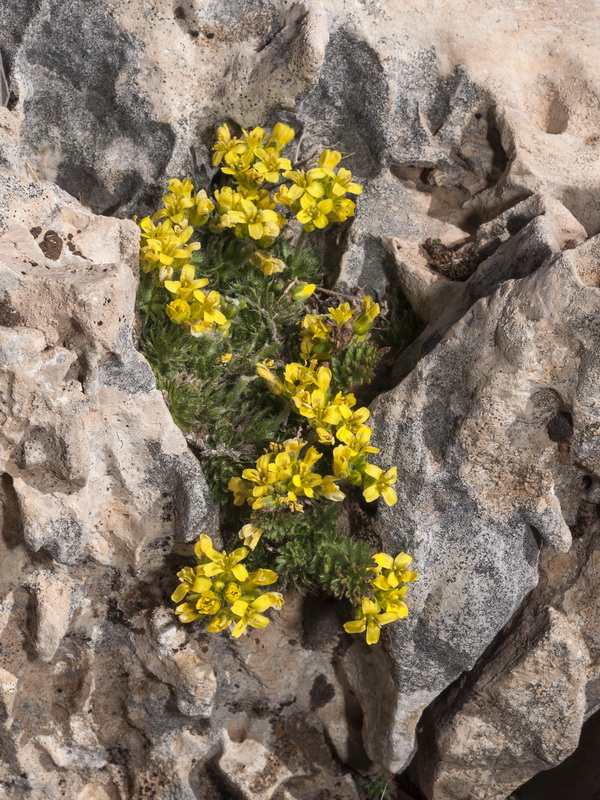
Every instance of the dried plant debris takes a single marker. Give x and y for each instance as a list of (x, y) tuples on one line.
[(457, 265)]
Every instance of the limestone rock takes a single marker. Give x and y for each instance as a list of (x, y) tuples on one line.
[(524, 713), (76, 393), (469, 122), (475, 432), (548, 657)]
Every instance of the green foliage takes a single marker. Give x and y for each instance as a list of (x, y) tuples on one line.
[(379, 788), (225, 407), (260, 374), (311, 555), (354, 365)]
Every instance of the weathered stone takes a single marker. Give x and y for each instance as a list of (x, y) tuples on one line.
[(477, 475), (468, 122), (548, 657), (524, 713)]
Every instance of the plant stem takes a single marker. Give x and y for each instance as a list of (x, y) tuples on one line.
[(335, 294)]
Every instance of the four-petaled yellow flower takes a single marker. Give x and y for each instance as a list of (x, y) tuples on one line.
[(379, 483), (370, 617), (206, 307), (183, 289), (225, 144), (341, 314), (221, 562), (313, 213), (249, 613)]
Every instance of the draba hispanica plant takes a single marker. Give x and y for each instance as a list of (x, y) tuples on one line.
[(260, 367)]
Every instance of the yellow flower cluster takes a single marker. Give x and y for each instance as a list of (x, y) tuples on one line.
[(333, 417), (252, 161), (191, 307), (165, 236), (315, 331), (222, 588), (318, 196), (183, 205), (283, 476), (390, 584), (165, 246)]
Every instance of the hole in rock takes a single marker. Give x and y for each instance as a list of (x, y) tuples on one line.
[(560, 427), (11, 522), (557, 113)]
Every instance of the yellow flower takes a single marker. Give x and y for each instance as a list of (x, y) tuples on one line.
[(370, 617), (239, 166), (225, 144), (262, 577), (184, 288), (165, 244), (208, 603), (250, 534), (303, 183), (221, 563), (187, 613), (342, 183), (341, 314), (299, 377), (331, 491), (315, 326), (358, 439), (273, 382), (364, 321), (342, 462), (187, 577), (232, 592), (198, 328), (328, 160), (253, 139), (181, 188), (178, 311), (379, 483), (313, 214), (227, 199), (200, 210), (303, 290), (396, 568), (226, 358), (206, 308), (269, 163), (258, 223), (283, 195), (268, 263), (282, 135), (175, 207), (242, 491), (222, 620), (250, 612), (342, 209)]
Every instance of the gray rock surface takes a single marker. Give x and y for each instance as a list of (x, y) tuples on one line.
[(469, 122), (492, 432)]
